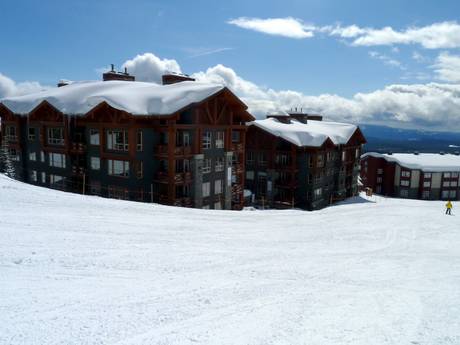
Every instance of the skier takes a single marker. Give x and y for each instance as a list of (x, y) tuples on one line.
[(448, 207)]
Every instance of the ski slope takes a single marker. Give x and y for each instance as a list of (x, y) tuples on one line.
[(86, 270)]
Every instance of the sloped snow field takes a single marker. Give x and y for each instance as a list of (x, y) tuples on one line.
[(87, 270)]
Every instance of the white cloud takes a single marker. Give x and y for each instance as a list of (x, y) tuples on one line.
[(430, 106), (435, 36), (287, 27), (447, 67), (386, 60), (9, 88), (197, 52), (149, 67)]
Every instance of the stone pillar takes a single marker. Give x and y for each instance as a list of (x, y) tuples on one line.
[(197, 186), (228, 181)]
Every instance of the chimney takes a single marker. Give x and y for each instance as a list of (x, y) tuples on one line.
[(173, 78), (63, 82), (280, 118), (114, 75)]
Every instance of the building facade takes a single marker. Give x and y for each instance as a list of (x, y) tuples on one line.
[(297, 160), (178, 144), (425, 176)]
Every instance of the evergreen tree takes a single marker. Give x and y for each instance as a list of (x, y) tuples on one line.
[(6, 163)]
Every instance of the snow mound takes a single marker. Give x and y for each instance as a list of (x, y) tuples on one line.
[(137, 98)]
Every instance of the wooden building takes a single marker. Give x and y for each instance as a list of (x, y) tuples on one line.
[(177, 144), (428, 176), (298, 160)]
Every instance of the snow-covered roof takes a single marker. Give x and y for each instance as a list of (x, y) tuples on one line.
[(429, 162), (137, 98), (313, 133)]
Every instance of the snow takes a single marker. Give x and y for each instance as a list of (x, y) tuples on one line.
[(313, 133), (86, 270), (429, 162), (137, 98)]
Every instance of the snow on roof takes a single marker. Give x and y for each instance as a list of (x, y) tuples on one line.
[(430, 162), (313, 133), (137, 98)]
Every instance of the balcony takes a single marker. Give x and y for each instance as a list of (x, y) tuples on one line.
[(179, 178), (77, 148), (162, 150), (183, 202)]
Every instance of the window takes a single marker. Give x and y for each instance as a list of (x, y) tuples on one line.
[(357, 153), (426, 194), (206, 166), (236, 137), (31, 134), (94, 137), (344, 156), (95, 163), (206, 143), (118, 168), (42, 156), (378, 189), (446, 175), (33, 176), (455, 174), (140, 169), (220, 139), (405, 183), (320, 161), (427, 184), (453, 194), (445, 194), (43, 177), (250, 158), (427, 175), (262, 159), (117, 140), (206, 189), (379, 171), (379, 180), (404, 193), (454, 183), (56, 160), (10, 133), (139, 141), (330, 156), (186, 139), (56, 179), (32, 156), (446, 184), (405, 173), (318, 192), (217, 186), (219, 164), (250, 175), (14, 155), (55, 136)]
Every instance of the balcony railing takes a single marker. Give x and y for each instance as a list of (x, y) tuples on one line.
[(178, 151), (179, 178)]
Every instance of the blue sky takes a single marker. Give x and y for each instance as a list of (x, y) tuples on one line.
[(44, 41)]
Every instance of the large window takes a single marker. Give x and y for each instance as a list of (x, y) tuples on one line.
[(426, 194), (31, 134), (10, 133), (95, 163), (206, 189), (427, 184), (118, 168), (33, 175), (94, 137), (219, 164), (139, 141), (236, 138), (427, 175), (218, 187), (117, 140), (405, 173), (206, 166), (206, 142), (55, 136), (220, 136), (404, 193), (318, 192), (405, 183), (56, 160), (32, 156), (56, 181)]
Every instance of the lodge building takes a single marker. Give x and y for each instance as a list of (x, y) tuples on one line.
[(181, 143), (297, 160), (428, 176)]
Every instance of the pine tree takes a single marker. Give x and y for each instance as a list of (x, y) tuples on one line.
[(6, 163)]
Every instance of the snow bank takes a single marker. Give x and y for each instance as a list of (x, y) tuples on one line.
[(86, 270), (137, 98), (313, 133), (429, 162)]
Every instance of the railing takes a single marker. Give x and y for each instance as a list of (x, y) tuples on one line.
[(11, 138), (178, 151), (78, 148), (179, 178)]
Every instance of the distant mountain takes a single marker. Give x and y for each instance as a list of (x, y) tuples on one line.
[(388, 139)]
